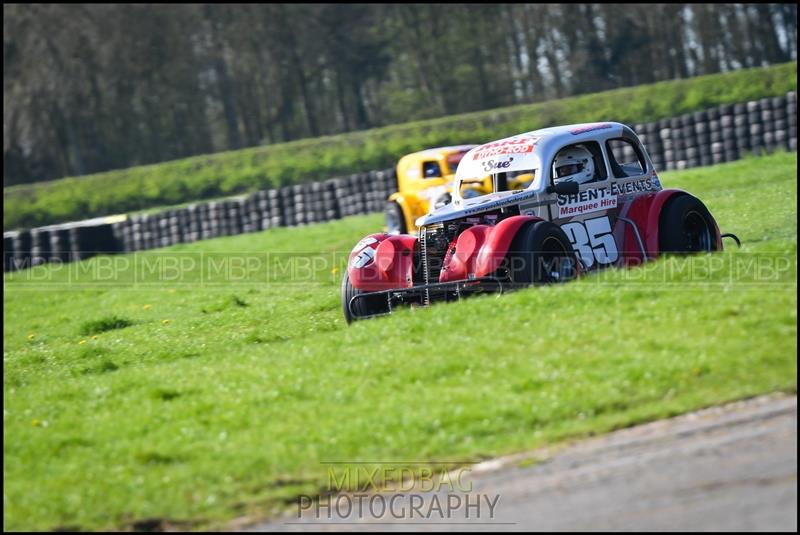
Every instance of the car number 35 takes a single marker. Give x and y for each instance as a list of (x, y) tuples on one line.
[(593, 241)]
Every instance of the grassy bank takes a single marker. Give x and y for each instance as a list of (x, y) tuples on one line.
[(207, 381)]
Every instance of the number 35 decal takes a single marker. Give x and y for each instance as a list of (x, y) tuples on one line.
[(592, 240)]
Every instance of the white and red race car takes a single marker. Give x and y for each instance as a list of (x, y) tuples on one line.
[(594, 200)]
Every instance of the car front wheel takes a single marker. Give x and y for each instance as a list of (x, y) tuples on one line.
[(395, 221), (368, 306), (539, 254)]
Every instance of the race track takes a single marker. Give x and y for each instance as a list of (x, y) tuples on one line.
[(732, 467)]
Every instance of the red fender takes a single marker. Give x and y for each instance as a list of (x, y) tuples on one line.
[(496, 246), (382, 262), (654, 214), (650, 229), (462, 253), (630, 253)]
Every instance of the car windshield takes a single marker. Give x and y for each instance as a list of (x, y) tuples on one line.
[(513, 181), (454, 159)]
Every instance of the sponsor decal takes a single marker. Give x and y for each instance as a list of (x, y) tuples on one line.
[(490, 203), (656, 181), (589, 128), (592, 241), (586, 202), (634, 186), (515, 145), (602, 198), (363, 258), (363, 243), (490, 165)]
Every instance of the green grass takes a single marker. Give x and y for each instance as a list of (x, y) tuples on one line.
[(228, 173), (229, 388)]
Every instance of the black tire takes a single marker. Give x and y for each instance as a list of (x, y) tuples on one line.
[(686, 226), (368, 306), (395, 220), (541, 253)]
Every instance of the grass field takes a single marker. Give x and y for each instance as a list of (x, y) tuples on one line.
[(208, 381), (227, 173)]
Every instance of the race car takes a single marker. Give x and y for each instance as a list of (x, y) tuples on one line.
[(425, 180), (592, 200)]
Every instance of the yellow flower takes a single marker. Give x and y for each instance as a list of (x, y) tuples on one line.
[(165, 322), (334, 271), (30, 336), (147, 307), (35, 423), (82, 342), (94, 337)]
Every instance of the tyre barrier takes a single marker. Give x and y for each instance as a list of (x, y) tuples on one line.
[(720, 134)]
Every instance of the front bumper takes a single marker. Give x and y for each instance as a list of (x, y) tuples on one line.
[(424, 294)]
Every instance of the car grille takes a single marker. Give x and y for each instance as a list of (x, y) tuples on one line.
[(433, 247)]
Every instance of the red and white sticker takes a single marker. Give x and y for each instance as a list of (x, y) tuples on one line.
[(364, 253), (513, 145)]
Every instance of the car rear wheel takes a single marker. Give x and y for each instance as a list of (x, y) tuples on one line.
[(539, 254), (686, 226), (395, 221), (368, 306)]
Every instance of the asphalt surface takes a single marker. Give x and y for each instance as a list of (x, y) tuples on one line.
[(732, 467)]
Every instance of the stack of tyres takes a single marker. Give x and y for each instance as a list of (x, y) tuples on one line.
[(235, 223), (204, 220), (702, 138), (122, 235), (677, 154), (40, 246), (362, 187), (8, 251), (145, 236), (60, 246), (22, 249), (791, 120), (287, 203), (780, 124), (214, 219), (330, 203), (736, 129), (77, 240), (653, 145), (665, 136), (719, 139), (317, 201), (767, 124), (691, 150), (178, 225), (262, 210), (276, 218), (756, 127), (342, 191), (91, 240), (164, 236), (191, 231), (251, 217)]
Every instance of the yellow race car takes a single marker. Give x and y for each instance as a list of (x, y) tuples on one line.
[(425, 180)]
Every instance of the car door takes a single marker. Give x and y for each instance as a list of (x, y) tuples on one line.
[(588, 217)]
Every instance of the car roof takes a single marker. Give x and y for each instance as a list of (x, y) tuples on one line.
[(525, 151), (433, 152)]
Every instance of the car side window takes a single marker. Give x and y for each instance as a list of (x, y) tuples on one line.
[(431, 170), (597, 158), (625, 158)]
